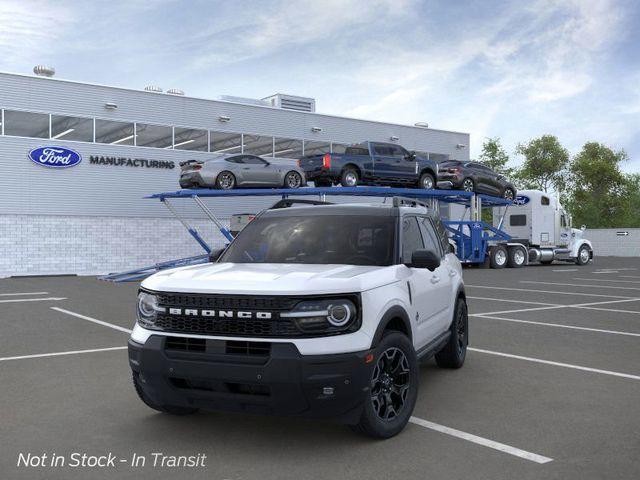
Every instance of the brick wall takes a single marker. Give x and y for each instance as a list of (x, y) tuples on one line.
[(609, 241), (53, 245)]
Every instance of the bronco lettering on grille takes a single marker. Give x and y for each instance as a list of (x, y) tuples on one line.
[(219, 313)]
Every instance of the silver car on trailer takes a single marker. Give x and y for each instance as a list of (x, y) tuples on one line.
[(241, 170)]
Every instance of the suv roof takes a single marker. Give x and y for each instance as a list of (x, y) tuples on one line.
[(382, 209)]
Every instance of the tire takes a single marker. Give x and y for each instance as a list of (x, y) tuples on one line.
[(468, 185), (292, 180), (225, 180), (584, 255), (349, 177), (171, 410), (399, 390), (517, 257), (508, 194), (499, 256), (427, 182), (454, 352)]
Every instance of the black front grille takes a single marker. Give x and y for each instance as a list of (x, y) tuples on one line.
[(186, 344), (227, 326), (231, 302), (234, 347)]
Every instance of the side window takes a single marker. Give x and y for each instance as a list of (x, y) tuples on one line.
[(237, 159), (382, 150), (411, 238), (563, 221), (398, 151), (431, 241), (443, 236), (517, 220), (253, 160)]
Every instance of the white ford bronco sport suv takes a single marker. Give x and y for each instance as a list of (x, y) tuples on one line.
[(320, 311)]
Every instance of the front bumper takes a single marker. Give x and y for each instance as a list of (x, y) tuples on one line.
[(282, 382)]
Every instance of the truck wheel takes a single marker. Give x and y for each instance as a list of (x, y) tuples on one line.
[(427, 182), (508, 194), (454, 352), (349, 178), (225, 180), (517, 257), (393, 389), (499, 256), (583, 255), (160, 408)]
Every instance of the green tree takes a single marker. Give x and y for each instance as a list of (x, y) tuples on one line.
[(545, 164), (495, 157), (600, 195)]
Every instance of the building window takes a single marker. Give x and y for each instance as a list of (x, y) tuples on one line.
[(438, 157), (316, 148), (115, 133), (157, 136), (26, 124), (190, 139), (258, 145), (225, 142), (71, 128), (338, 147), (287, 148)]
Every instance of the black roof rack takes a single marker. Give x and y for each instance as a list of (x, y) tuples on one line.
[(289, 202)]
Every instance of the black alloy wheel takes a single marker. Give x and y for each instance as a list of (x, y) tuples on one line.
[(508, 194), (390, 384), (226, 180)]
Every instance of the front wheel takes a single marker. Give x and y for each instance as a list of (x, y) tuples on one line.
[(454, 352), (427, 181), (293, 180), (584, 255), (393, 388), (508, 194), (225, 180)]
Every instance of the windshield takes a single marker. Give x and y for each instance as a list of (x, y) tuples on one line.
[(324, 239)]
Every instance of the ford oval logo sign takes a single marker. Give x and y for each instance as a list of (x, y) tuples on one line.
[(55, 157), (521, 200)]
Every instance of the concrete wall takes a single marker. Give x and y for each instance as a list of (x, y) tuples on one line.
[(612, 242)]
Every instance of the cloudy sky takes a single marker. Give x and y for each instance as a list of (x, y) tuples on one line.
[(511, 69)]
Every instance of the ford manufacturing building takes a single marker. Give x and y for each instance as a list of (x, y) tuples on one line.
[(91, 218)]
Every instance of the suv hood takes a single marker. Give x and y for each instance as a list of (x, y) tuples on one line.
[(271, 278)]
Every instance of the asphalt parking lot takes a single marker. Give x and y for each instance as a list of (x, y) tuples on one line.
[(551, 389)]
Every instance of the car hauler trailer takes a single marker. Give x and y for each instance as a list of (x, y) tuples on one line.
[(473, 238), (540, 231)]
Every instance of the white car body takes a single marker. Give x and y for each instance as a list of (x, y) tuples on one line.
[(430, 310)]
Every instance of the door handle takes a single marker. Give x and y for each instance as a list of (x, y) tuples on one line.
[(246, 168), (435, 279)]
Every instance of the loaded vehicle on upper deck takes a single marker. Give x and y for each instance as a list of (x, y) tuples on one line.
[(241, 170), (371, 163), (474, 177)]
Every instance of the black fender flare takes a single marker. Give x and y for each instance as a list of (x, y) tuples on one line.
[(430, 171), (394, 312)]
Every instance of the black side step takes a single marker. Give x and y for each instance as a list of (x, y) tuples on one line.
[(433, 347)]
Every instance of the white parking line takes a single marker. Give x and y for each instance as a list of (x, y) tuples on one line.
[(566, 270), (94, 320), (551, 306), (555, 364), (510, 301), (19, 300), (546, 291), (558, 325), (581, 285), (605, 280), (485, 442), (27, 293), (57, 354), (629, 276)]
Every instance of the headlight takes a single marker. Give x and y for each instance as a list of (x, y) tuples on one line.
[(331, 315), (148, 309)]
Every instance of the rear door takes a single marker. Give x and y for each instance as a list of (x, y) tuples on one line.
[(383, 160), (405, 168)]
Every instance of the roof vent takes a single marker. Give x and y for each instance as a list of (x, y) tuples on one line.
[(175, 91), (44, 71), (153, 88), (291, 102), (244, 100), (422, 124)]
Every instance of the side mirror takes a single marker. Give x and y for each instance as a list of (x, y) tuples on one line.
[(215, 255), (411, 156), (425, 259)]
